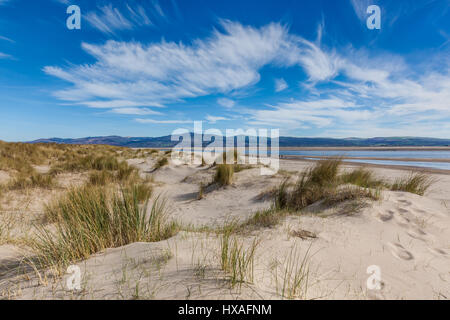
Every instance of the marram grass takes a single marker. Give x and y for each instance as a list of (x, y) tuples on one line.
[(90, 219)]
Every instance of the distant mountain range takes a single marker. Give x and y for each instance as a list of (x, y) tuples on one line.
[(165, 142)]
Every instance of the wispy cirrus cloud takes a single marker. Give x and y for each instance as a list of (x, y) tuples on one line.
[(6, 39), (65, 2), (226, 103), (5, 56), (371, 97), (109, 19), (280, 85), (214, 119), (158, 9), (144, 121), (165, 72), (135, 111), (343, 89)]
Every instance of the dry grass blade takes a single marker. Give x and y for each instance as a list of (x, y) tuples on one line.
[(224, 174), (361, 177), (295, 275), (91, 219), (415, 182), (237, 260)]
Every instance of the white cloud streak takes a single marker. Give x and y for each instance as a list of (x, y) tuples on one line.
[(280, 85), (164, 72), (381, 91), (6, 39), (135, 111), (144, 121), (214, 119), (5, 56), (108, 20), (226, 103)]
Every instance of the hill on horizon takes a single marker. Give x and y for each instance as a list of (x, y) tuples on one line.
[(165, 141)]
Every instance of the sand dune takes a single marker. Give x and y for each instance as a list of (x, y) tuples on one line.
[(407, 236)]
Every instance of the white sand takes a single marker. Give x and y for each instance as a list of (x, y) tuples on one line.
[(407, 236)]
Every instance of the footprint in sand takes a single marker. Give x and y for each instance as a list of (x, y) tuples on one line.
[(401, 219), (403, 210), (438, 252), (399, 251), (405, 202), (416, 233), (386, 216)]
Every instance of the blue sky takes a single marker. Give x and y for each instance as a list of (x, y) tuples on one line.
[(147, 67)]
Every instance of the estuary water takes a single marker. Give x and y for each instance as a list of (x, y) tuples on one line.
[(391, 154)]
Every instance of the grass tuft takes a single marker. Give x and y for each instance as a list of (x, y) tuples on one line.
[(33, 180), (295, 275), (100, 178), (90, 219), (237, 260), (264, 219), (361, 177), (321, 182), (415, 182), (161, 163), (224, 174)]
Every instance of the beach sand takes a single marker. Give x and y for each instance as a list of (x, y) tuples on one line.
[(404, 236)]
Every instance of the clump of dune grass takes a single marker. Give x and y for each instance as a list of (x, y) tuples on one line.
[(103, 163), (241, 167), (201, 191), (295, 275), (350, 193), (142, 191), (100, 178), (267, 218), (281, 195), (237, 260), (6, 226), (320, 182), (361, 177), (224, 174), (324, 173), (90, 219), (22, 156), (33, 180), (415, 182), (86, 163), (124, 174), (163, 161)]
